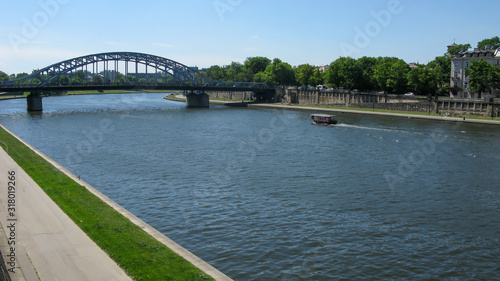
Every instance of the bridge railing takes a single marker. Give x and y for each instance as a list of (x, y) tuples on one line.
[(248, 85), (78, 68)]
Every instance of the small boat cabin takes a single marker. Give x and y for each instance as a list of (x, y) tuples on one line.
[(323, 119)]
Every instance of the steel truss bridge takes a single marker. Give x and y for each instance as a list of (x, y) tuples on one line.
[(122, 71)]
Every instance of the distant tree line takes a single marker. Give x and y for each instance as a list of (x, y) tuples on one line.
[(388, 74), (81, 77)]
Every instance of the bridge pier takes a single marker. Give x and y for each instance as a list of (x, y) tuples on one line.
[(194, 100), (34, 102)]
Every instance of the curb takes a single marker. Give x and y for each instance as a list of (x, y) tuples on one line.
[(388, 114), (190, 257)]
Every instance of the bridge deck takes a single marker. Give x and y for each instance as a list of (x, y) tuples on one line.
[(128, 87)]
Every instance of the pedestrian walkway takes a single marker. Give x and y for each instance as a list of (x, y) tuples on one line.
[(48, 244), (400, 115)]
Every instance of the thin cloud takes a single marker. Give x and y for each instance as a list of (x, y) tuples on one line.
[(163, 45)]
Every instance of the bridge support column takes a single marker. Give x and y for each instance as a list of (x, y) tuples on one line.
[(194, 100), (34, 102)]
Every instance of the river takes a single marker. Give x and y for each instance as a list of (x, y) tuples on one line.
[(262, 194)]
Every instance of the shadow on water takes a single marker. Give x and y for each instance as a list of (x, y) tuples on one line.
[(36, 114)]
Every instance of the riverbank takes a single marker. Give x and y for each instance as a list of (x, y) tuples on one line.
[(73, 93), (140, 250), (464, 119), (38, 240)]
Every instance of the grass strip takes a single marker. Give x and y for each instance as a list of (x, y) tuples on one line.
[(8, 97), (139, 254), (94, 92)]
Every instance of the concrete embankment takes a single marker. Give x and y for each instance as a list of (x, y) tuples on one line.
[(376, 113), (48, 244), (181, 98), (41, 241)]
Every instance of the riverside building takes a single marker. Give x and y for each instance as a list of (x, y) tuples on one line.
[(460, 80)]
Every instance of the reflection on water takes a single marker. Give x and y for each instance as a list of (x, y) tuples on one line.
[(265, 195)]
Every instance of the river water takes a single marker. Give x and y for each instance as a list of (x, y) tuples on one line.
[(262, 194)]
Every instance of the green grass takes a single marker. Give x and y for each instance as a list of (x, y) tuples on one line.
[(139, 254), (116, 92), (7, 96), (93, 92)]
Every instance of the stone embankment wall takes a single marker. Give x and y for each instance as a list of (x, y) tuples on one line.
[(488, 108), (346, 98), (229, 95)]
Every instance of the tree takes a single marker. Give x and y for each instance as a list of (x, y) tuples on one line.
[(260, 77), (80, 74), (21, 75), (265, 77), (119, 78), (76, 81), (237, 72), (489, 44), (422, 80), (344, 73), (381, 73), (304, 73), (367, 65), (441, 66), (317, 78), (231, 75), (390, 74), (257, 64), (457, 48), (216, 72), (64, 80), (280, 73), (483, 76), (4, 76), (495, 77), (98, 79), (131, 79), (398, 80)]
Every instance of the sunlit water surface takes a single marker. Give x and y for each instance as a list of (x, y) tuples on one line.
[(264, 195)]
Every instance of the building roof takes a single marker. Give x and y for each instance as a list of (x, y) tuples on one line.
[(478, 53)]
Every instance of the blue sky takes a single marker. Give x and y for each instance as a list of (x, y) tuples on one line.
[(35, 34)]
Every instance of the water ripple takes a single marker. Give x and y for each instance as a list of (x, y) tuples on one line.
[(296, 202)]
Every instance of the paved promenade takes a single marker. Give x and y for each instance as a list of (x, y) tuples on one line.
[(181, 98), (399, 115), (48, 245)]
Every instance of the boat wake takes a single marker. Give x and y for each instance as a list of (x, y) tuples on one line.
[(365, 127), (343, 125)]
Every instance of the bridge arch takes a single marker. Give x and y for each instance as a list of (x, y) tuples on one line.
[(182, 74)]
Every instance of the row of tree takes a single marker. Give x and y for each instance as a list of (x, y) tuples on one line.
[(81, 77), (255, 69), (388, 74)]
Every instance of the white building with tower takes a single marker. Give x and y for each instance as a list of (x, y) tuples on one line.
[(459, 80)]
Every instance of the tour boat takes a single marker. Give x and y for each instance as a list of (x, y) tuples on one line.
[(323, 119)]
